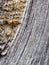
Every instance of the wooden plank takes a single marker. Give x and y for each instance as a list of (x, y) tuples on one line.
[(31, 46)]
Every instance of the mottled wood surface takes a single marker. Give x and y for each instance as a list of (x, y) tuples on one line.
[(31, 46)]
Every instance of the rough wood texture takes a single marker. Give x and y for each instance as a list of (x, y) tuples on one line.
[(31, 46)]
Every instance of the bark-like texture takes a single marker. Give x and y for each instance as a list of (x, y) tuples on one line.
[(31, 46)]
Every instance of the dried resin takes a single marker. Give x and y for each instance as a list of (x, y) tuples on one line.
[(11, 13)]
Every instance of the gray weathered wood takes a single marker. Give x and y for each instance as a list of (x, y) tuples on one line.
[(31, 46)]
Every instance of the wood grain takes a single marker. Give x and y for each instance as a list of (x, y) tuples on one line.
[(31, 46)]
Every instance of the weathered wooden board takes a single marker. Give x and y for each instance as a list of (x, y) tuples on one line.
[(31, 46)]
